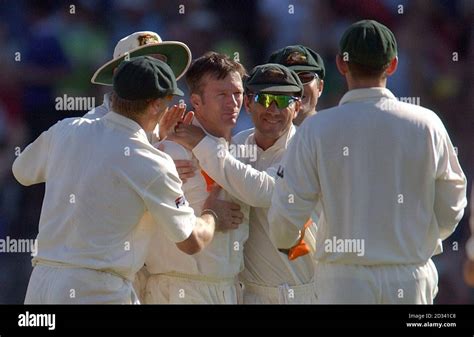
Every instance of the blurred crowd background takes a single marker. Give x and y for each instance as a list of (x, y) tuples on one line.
[(47, 51)]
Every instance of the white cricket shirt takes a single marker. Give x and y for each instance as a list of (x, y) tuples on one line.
[(385, 173), (106, 186), (252, 181), (223, 257)]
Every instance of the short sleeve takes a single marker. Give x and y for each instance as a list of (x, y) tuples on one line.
[(165, 200)]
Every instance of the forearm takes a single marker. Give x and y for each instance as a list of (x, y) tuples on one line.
[(247, 184), (201, 235), (296, 194), (205, 227), (450, 201)]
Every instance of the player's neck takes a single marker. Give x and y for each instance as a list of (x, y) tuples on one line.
[(147, 124), (302, 115), (215, 131), (262, 141), (353, 83)]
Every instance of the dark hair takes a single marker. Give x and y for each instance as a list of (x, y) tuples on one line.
[(213, 64), (364, 71), (128, 108)]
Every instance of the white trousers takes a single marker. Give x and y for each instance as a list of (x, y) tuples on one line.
[(187, 289), (387, 284), (283, 294), (64, 285)]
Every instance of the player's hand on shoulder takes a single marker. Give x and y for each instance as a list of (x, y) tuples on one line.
[(187, 135)]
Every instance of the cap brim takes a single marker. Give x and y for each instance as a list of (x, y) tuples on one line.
[(300, 67), (178, 57), (178, 92), (274, 88)]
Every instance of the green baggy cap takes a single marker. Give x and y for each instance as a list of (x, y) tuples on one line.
[(299, 58), (145, 77), (369, 43), (273, 77)]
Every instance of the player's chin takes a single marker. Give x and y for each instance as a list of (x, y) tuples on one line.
[(271, 131), (230, 119)]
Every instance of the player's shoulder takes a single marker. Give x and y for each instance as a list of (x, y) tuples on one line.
[(242, 136), (420, 111), (421, 117), (174, 150), (145, 162), (67, 125), (97, 112)]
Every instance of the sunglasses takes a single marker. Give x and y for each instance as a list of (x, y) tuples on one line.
[(282, 101), (307, 76)]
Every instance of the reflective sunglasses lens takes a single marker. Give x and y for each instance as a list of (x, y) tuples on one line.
[(307, 76), (263, 99), (282, 101)]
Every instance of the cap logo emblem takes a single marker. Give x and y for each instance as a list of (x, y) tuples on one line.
[(144, 39), (274, 75), (296, 58)]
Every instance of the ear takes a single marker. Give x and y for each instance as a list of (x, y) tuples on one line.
[(156, 105), (341, 65), (297, 108), (247, 103), (392, 67), (196, 101), (321, 87)]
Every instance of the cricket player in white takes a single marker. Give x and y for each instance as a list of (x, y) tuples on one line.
[(387, 177), (269, 276), (209, 277), (176, 54), (107, 191)]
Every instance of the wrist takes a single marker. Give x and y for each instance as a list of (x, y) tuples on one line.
[(208, 211)]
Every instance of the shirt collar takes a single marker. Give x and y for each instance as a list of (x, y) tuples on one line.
[(283, 141), (195, 122), (366, 94), (106, 102), (125, 122)]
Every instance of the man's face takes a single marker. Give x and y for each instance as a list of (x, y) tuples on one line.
[(220, 102), (312, 89), (272, 122)]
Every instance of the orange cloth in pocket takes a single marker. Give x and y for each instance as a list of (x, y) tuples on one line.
[(301, 248), (209, 181)]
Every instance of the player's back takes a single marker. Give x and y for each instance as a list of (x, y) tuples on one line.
[(94, 174), (377, 164)]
